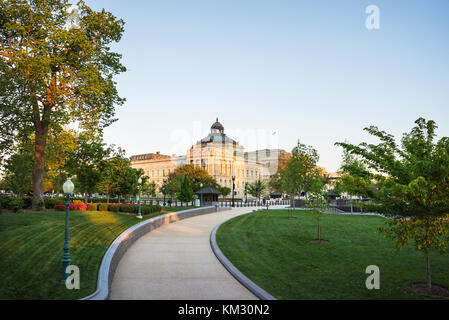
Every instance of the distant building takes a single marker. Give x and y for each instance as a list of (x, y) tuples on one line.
[(220, 156)]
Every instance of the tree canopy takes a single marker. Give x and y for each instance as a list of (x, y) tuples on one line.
[(55, 70)]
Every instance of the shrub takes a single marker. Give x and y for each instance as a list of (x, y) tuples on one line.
[(15, 204), (60, 207), (113, 208), (27, 202), (78, 201), (103, 207), (92, 207), (149, 209), (51, 202), (78, 206), (39, 205)]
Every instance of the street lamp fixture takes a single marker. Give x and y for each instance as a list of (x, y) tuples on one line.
[(163, 190), (139, 210), (233, 188), (246, 192), (68, 188), (201, 195)]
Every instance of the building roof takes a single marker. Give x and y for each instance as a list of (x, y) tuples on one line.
[(208, 190), (217, 137), (217, 125)]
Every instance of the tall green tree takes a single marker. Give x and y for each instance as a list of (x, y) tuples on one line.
[(225, 191), (55, 70), (411, 183), (86, 163), (197, 176), (256, 188), (186, 193), (300, 171)]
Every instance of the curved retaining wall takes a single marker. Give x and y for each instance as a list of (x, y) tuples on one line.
[(251, 286), (119, 246)]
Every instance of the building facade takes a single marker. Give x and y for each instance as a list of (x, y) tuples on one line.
[(218, 154)]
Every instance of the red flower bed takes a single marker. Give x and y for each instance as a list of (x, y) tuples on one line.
[(72, 206)]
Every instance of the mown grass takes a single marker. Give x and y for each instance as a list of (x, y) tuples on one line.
[(31, 251), (276, 253)]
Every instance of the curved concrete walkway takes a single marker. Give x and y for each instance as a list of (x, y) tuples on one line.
[(176, 262)]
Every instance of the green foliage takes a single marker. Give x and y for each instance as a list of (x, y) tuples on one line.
[(15, 204), (51, 202), (225, 191), (300, 171), (186, 193), (18, 169), (86, 162), (411, 181), (256, 188), (118, 177), (173, 184), (197, 176), (56, 73), (92, 207), (103, 207), (113, 208)]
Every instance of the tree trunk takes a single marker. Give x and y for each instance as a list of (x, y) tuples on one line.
[(38, 168), (428, 276), (319, 230), (119, 198), (86, 197), (108, 197)]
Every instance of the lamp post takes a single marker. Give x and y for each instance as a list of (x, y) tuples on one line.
[(68, 191), (233, 187), (163, 190), (246, 192), (201, 195), (139, 211)]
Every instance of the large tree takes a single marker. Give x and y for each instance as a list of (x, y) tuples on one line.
[(412, 184), (300, 171), (186, 193), (55, 70), (197, 176)]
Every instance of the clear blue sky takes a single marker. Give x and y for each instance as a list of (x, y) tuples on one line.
[(307, 68)]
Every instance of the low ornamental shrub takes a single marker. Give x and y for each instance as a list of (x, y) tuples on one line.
[(103, 207), (149, 209), (77, 201), (72, 206), (15, 204), (92, 207), (113, 208), (51, 202)]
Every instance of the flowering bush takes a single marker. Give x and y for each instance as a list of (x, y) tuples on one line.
[(72, 206)]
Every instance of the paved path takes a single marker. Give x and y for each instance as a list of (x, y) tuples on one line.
[(175, 262)]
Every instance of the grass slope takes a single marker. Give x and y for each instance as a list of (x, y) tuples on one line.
[(31, 251), (276, 254)]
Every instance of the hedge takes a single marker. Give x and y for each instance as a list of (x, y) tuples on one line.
[(72, 206), (92, 207)]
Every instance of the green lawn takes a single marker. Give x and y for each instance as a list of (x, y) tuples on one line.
[(276, 253), (31, 251)]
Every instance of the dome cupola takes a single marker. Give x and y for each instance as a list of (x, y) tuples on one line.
[(217, 127)]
